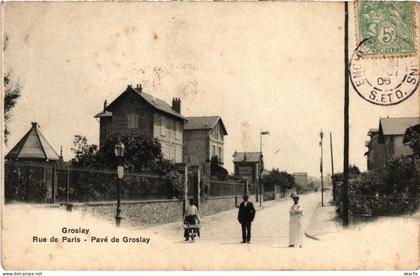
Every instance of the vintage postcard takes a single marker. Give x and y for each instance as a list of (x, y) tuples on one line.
[(210, 136)]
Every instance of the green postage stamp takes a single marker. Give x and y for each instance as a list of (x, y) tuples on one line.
[(389, 28)]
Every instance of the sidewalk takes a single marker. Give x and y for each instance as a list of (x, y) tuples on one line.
[(324, 221)]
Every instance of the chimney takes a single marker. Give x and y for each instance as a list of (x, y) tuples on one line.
[(61, 153), (105, 104), (176, 105), (139, 88)]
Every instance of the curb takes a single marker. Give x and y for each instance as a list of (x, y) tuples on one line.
[(306, 231), (312, 237)]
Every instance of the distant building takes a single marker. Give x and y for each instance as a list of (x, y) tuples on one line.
[(203, 139), (301, 179), (135, 112), (247, 164), (33, 147), (387, 141), (327, 180)]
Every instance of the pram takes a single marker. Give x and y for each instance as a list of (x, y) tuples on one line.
[(192, 230)]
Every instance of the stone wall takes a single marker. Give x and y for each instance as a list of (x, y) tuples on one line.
[(136, 212), (213, 205), (149, 212)]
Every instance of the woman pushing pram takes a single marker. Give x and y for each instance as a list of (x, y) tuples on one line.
[(191, 221)]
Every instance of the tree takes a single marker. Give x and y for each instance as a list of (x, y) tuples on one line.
[(276, 177), (84, 154), (353, 172), (412, 139), (400, 177), (12, 91), (217, 170), (142, 154)]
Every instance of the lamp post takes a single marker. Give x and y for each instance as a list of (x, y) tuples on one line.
[(321, 134), (119, 153), (260, 169)]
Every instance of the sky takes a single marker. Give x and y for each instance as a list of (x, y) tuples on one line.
[(268, 66)]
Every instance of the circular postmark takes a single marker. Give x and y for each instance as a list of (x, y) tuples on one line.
[(386, 81)]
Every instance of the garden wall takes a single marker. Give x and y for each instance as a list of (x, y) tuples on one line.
[(136, 212), (213, 205), (147, 212)]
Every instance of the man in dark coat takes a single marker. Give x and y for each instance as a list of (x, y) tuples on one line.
[(246, 215)]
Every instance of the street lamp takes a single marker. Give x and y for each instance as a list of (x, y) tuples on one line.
[(119, 153), (260, 169), (321, 134)]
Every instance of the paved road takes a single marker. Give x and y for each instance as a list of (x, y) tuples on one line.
[(384, 244), (270, 227)]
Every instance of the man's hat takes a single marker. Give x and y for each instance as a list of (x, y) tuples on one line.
[(294, 196)]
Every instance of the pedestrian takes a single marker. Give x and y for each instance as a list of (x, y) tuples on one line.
[(191, 217), (246, 215), (295, 223)]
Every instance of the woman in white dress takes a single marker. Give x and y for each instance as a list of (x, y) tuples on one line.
[(295, 223)]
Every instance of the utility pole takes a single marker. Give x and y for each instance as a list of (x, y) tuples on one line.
[(321, 134), (260, 171), (332, 167), (260, 167), (345, 191)]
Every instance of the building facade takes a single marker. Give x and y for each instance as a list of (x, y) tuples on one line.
[(135, 112), (387, 141), (247, 165), (203, 139)]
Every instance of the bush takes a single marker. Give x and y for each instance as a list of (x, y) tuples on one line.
[(391, 191), (176, 184), (400, 177), (217, 171), (367, 183)]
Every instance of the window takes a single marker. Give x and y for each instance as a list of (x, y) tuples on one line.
[(162, 125), (173, 157), (133, 121), (178, 130), (220, 154), (172, 124), (216, 131), (214, 150)]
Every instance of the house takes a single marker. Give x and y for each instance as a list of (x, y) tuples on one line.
[(33, 147), (247, 165), (135, 112), (387, 141), (203, 139)]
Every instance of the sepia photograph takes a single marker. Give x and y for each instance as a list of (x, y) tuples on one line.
[(210, 136)]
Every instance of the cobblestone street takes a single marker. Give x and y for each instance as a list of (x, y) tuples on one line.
[(373, 245)]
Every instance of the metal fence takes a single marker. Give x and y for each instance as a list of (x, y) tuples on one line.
[(27, 182), (44, 182)]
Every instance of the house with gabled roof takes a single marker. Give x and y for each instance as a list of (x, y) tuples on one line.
[(204, 139), (33, 147), (135, 112), (247, 165), (387, 141)]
